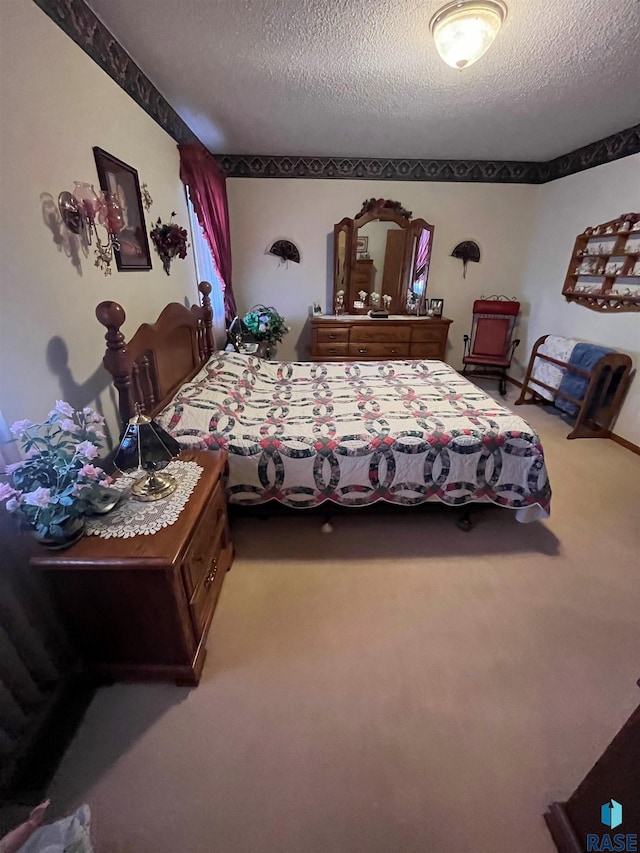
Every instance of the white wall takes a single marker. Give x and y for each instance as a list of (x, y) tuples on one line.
[(566, 208), (499, 217), (56, 105)]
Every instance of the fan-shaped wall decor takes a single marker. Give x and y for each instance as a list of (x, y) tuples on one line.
[(466, 251), (285, 250)]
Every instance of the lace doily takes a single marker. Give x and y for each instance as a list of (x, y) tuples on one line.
[(138, 518)]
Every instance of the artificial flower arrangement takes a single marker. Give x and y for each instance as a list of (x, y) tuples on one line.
[(265, 324), (53, 483), (169, 240)]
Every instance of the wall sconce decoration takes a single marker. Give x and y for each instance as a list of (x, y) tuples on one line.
[(286, 251), (79, 211), (464, 30), (147, 448), (466, 251)]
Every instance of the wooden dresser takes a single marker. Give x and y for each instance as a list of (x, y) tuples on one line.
[(354, 338), (140, 608)]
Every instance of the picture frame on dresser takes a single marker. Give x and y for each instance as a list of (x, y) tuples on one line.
[(436, 306)]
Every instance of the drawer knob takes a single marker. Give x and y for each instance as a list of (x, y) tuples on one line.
[(363, 350), (332, 337), (211, 575), (333, 350)]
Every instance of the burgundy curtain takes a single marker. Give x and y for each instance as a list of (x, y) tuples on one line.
[(206, 183)]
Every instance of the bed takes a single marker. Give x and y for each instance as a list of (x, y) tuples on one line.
[(306, 433)]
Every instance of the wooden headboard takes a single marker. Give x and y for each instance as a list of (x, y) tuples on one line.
[(160, 357)]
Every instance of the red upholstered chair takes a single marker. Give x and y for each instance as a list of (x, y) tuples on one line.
[(489, 348)]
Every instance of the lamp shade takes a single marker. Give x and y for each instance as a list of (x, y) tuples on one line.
[(465, 29), (145, 446)]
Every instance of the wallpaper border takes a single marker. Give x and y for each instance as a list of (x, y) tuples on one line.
[(82, 25)]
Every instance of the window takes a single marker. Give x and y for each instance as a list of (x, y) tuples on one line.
[(206, 271)]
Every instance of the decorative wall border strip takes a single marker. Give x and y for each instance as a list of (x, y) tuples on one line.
[(381, 169), (618, 145), (81, 24)]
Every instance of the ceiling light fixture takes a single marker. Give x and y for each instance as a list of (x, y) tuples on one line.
[(465, 29)]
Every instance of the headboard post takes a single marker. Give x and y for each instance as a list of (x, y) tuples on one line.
[(207, 314), (117, 359)]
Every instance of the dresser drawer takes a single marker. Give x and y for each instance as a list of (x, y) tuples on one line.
[(378, 350), (331, 350), (206, 541), (332, 334), (426, 333), (205, 597), (427, 350), (380, 334)]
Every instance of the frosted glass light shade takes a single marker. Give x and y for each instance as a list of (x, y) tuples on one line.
[(465, 29)]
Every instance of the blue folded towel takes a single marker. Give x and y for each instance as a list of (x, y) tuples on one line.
[(585, 356)]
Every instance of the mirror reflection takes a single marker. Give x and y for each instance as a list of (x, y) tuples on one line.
[(379, 266), (382, 260), (420, 267)]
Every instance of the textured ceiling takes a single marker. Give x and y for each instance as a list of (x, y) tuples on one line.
[(362, 77)]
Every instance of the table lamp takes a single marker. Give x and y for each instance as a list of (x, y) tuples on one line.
[(146, 447)]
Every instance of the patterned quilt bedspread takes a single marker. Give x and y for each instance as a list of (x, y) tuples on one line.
[(358, 432)]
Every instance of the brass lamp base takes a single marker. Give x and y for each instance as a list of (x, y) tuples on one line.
[(153, 487)]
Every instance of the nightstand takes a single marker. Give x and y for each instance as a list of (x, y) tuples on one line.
[(140, 608)]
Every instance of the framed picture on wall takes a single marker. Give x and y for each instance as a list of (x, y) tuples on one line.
[(437, 306), (122, 180)]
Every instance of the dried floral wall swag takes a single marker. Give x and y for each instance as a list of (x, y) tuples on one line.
[(170, 240)]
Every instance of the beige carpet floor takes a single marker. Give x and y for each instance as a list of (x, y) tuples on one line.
[(395, 686)]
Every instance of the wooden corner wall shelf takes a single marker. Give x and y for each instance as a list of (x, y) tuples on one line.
[(604, 271)]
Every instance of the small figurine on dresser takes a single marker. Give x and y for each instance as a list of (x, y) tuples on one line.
[(339, 305), (375, 301), (386, 301)]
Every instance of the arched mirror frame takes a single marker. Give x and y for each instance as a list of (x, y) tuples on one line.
[(345, 233)]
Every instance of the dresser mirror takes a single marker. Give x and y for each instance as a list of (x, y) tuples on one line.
[(381, 260)]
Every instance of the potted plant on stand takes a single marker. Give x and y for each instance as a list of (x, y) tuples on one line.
[(52, 486), (266, 326)]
